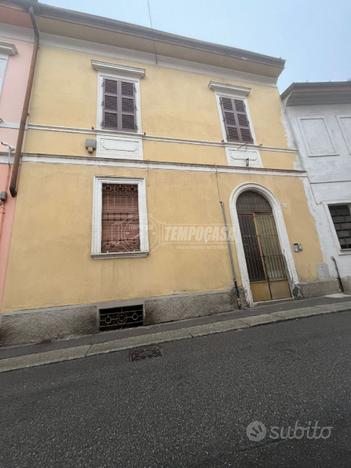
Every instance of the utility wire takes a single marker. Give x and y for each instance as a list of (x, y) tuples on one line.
[(151, 26)]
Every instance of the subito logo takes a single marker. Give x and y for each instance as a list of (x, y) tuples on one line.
[(256, 431)]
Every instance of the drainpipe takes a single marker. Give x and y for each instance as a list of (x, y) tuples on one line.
[(230, 254), (341, 286), (18, 153), (229, 247)]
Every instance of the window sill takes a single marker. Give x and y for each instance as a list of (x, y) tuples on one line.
[(323, 155), (116, 131), (239, 143), (345, 252), (102, 256)]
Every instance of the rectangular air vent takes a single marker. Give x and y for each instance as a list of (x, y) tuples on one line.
[(127, 316)]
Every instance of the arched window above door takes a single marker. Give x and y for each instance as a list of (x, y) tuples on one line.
[(252, 202)]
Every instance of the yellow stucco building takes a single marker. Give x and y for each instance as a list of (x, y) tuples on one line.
[(170, 138)]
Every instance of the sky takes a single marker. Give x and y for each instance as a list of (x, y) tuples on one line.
[(313, 36)]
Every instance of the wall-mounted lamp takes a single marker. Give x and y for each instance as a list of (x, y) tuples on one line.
[(297, 247), (90, 145)]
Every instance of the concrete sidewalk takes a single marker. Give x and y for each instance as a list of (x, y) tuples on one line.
[(17, 357)]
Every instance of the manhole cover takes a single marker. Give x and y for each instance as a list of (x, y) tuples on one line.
[(138, 354)]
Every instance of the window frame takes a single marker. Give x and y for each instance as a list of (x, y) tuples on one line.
[(5, 58), (234, 95), (97, 217), (100, 98), (341, 251)]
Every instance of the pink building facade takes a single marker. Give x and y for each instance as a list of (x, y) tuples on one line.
[(16, 46)]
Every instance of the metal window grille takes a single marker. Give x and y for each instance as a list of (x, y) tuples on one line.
[(120, 230), (115, 318), (341, 216)]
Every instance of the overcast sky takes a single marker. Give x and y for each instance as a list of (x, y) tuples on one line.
[(313, 36)]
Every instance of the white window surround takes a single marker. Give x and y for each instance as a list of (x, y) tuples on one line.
[(97, 213), (119, 146), (3, 66), (121, 70), (101, 77), (327, 132), (347, 138), (7, 49), (228, 89), (245, 157), (281, 230), (218, 95), (326, 205)]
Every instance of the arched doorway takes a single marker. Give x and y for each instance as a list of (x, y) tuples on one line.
[(265, 262)]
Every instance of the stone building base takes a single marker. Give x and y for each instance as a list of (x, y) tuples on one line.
[(40, 325)]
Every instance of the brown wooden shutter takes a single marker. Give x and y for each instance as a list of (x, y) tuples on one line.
[(119, 105), (110, 104), (120, 218), (128, 106), (235, 120)]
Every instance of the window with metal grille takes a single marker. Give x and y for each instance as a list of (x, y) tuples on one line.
[(235, 120), (120, 230), (119, 107), (341, 216), (127, 316)]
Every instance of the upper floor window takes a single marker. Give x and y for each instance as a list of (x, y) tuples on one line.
[(6, 50), (232, 105), (119, 106), (341, 216), (118, 96), (3, 63), (235, 118)]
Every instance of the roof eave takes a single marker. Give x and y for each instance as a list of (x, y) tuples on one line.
[(317, 92), (276, 65)]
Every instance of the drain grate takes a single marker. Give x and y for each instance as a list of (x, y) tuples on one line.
[(116, 318), (138, 354)]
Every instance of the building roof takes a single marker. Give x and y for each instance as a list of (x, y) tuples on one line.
[(80, 25), (325, 92)]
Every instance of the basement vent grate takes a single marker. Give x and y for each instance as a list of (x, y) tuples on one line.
[(138, 354), (116, 318)]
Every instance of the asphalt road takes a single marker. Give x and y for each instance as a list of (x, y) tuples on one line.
[(191, 406)]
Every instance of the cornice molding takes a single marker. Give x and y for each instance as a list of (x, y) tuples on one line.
[(106, 67), (6, 48), (158, 165), (226, 88), (329, 92)]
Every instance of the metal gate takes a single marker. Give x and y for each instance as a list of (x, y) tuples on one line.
[(265, 262)]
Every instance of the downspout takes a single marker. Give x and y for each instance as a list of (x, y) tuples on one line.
[(230, 254), (18, 153), (341, 286), (229, 247)]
